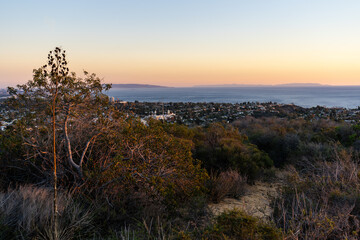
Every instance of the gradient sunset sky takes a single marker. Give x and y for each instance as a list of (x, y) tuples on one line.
[(186, 42)]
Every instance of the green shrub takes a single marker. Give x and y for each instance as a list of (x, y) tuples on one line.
[(231, 225), (237, 225), (147, 166), (222, 147)]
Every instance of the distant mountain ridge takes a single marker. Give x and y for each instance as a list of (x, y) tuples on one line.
[(301, 85), (136, 86), (261, 85)]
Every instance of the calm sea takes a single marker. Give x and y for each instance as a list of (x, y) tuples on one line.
[(348, 97)]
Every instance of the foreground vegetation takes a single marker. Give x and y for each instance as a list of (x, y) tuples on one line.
[(75, 167)]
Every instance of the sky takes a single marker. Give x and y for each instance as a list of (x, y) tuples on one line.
[(185, 42)]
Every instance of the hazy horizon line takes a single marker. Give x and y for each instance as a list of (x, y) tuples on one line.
[(242, 85), (230, 85)]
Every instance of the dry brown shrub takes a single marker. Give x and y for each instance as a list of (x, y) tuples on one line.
[(227, 184)]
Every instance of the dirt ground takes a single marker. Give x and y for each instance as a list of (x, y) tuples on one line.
[(256, 202)]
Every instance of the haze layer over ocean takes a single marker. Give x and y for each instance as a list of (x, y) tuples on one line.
[(339, 96)]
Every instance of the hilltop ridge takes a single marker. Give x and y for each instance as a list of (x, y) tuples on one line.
[(117, 85), (264, 85)]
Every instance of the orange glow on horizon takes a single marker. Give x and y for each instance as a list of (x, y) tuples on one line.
[(213, 73)]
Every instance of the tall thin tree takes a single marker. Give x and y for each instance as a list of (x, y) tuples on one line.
[(74, 111)]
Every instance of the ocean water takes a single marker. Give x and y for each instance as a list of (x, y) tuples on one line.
[(344, 96)]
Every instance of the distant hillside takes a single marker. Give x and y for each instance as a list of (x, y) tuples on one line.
[(301, 85), (229, 85), (136, 86), (259, 85)]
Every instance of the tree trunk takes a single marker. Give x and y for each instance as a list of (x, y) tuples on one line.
[(55, 213)]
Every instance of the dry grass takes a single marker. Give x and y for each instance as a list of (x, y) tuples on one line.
[(149, 230), (28, 211), (323, 201)]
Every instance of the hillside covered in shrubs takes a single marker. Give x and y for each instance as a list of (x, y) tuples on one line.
[(73, 166)]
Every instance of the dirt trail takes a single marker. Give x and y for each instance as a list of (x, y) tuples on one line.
[(256, 201)]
